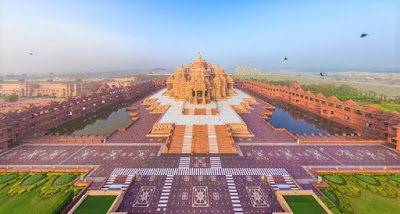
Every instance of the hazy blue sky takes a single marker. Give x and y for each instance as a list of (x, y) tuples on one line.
[(81, 36)]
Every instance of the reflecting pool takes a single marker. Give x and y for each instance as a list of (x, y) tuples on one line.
[(297, 120), (103, 121)]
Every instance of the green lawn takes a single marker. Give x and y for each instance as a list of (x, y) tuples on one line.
[(303, 204), (95, 204), (64, 179), (29, 202), (388, 90), (372, 203)]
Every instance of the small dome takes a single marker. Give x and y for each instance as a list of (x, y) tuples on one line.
[(180, 70), (218, 70), (229, 79)]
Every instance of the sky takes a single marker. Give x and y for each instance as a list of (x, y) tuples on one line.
[(96, 36)]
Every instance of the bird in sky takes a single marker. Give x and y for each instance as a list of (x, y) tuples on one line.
[(30, 54), (285, 58), (320, 73), (364, 35)]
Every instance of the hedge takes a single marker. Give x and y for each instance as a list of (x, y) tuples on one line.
[(6, 177), (10, 182), (366, 179), (335, 179), (64, 179), (57, 208), (394, 177), (330, 195), (34, 178)]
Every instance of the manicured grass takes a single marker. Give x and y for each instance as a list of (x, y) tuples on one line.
[(334, 178), (303, 204), (7, 177), (395, 177), (329, 194), (34, 178), (373, 203), (95, 204), (64, 179), (366, 179), (29, 202), (363, 87)]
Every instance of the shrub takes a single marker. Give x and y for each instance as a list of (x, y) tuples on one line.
[(335, 179), (330, 195), (345, 207), (394, 177), (366, 179), (48, 186), (64, 179), (34, 178), (65, 200), (7, 177), (362, 184), (10, 182), (382, 191), (392, 182), (372, 188)]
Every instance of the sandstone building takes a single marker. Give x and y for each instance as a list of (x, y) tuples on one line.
[(33, 89), (200, 83)]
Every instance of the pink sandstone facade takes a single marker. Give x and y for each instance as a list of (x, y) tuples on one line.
[(14, 126), (369, 119), (33, 89)]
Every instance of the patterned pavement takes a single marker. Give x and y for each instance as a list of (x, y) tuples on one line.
[(201, 183)]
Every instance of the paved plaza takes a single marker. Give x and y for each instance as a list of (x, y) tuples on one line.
[(201, 183), (216, 183)]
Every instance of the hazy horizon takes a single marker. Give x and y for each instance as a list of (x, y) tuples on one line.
[(89, 36)]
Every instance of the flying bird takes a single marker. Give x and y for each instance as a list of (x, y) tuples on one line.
[(30, 54), (285, 58), (364, 35), (320, 73)]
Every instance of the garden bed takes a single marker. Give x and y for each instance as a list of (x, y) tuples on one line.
[(33, 192), (375, 192)]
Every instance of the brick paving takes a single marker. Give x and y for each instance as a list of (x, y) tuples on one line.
[(233, 190)]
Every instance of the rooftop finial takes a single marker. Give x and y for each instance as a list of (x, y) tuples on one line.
[(199, 54)]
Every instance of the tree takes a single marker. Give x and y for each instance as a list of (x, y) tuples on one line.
[(10, 98)]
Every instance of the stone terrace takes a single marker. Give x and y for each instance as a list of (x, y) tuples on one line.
[(262, 132), (137, 132)]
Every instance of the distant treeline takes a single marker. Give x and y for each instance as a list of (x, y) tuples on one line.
[(342, 92)]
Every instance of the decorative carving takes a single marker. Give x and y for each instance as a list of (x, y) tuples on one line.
[(161, 130), (239, 130)]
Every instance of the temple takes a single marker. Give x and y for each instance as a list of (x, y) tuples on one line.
[(199, 83)]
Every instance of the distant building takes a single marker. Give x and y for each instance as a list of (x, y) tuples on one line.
[(33, 89), (246, 71)]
